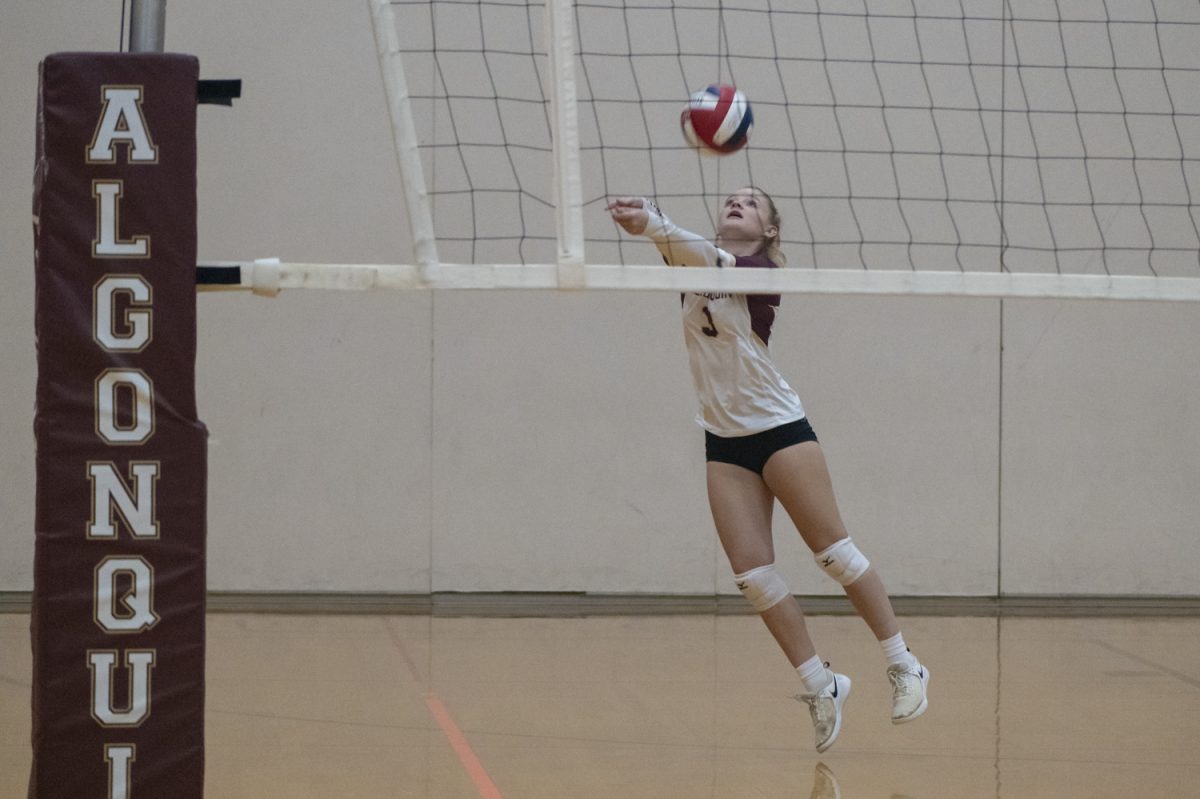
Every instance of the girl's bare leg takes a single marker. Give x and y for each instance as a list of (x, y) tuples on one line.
[(799, 477), (741, 508)]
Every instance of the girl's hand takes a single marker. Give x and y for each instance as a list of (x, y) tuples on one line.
[(630, 213)]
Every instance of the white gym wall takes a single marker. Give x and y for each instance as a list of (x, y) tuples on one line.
[(536, 441)]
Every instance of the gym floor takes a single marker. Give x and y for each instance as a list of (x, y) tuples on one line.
[(672, 707)]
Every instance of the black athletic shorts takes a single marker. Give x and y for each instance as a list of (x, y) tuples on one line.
[(752, 451)]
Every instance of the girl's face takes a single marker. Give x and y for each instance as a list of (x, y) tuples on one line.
[(745, 217)]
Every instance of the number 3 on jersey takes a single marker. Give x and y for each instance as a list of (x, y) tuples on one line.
[(710, 329)]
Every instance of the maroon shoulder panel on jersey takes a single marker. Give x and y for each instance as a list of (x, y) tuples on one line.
[(119, 565), (762, 306)]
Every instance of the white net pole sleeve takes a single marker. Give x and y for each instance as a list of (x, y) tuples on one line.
[(568, 191), (404, 137)]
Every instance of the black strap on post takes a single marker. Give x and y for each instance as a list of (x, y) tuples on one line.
[(212, 275), (218, 92)]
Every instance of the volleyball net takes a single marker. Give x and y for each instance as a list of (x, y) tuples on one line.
[(974, 147)]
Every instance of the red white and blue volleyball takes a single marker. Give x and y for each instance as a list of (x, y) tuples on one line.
[(717, 120)]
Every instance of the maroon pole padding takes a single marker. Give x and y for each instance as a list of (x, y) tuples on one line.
[(119, 567)]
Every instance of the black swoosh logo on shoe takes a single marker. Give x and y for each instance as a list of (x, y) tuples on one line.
[(835, 687)]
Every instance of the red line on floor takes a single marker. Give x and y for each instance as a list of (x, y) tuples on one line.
[(475, 770)]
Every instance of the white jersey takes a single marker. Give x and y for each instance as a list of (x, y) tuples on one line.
[(740, 390)]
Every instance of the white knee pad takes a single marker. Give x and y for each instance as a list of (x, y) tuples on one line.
[(763, 587), (843, 562)]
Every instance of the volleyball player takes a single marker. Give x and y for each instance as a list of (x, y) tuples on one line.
[(760, 447)]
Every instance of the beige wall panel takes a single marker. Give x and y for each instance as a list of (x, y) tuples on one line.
[(902, 392), (1101, 448), (565, 455), (317, 406)]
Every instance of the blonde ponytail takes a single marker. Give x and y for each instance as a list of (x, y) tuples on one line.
[(771, 249)]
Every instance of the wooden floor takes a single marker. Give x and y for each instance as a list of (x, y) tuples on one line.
[(672, 707)]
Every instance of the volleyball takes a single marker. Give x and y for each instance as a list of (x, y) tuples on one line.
[(717, 120)]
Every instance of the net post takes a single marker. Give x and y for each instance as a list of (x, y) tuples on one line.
[(147, 26), (404, 138), (568, 191)]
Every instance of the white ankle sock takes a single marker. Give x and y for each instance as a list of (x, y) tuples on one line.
[(896, 651), (814, 675)]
